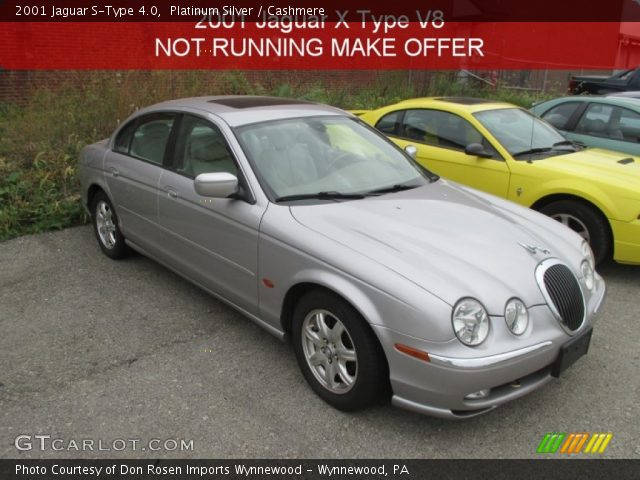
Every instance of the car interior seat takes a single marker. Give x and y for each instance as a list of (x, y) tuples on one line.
[(317, 148), (614, 130), (557, 120), (285, 163), (596, 126), (415, 131), (207, 153), (452, 133), (150, 140)]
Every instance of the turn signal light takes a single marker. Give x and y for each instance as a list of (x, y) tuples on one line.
[(412, 352)]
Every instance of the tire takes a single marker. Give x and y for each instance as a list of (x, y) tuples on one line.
[(356, 359), (586, 221), (106, 228)]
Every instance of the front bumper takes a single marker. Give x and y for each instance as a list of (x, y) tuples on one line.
[(441, 386), (626, 248)]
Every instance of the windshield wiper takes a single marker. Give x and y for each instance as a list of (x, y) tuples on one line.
[(321, 196), (566, 143), (532, 151), (563, 143), (394, 188)]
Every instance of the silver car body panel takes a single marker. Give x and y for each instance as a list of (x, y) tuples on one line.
[(401, 259)]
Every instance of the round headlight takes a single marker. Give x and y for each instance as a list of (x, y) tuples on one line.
[(587, 274), (517, 316), (587, 254), (470, 322)]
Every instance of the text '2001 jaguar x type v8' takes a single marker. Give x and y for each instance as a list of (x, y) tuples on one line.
[(387, 279)]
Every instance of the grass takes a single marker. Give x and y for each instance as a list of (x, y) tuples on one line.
[(41, 138)]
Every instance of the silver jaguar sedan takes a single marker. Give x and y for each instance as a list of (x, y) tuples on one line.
[(388, 280)]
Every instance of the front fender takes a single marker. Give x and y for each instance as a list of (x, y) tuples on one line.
[(424, 316), (588, 191)]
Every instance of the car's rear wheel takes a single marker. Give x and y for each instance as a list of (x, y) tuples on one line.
[(339, 355), (583, 219), (105, 226)]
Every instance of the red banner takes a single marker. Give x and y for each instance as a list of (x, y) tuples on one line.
[(314, 43)]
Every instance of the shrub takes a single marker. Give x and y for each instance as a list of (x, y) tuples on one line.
[(40, 140)]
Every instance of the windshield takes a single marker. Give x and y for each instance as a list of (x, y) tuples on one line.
[(521, 133), (327, 158)]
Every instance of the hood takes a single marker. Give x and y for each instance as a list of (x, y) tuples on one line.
[(447, 239), (599, 165)]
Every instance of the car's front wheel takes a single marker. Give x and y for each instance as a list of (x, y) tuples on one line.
[(105, 226), (339, 355), (589, 223)]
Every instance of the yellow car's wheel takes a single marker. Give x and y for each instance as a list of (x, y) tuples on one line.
[(585, 220)]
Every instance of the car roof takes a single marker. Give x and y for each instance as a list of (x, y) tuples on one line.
[(456, 104), (238, 110), (628, 94), (607, 99)]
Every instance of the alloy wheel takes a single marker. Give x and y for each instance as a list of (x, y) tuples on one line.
[(105, 225), (329, 351), (574, 223)]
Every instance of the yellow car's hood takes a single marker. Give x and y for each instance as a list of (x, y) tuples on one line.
[(598, 165)]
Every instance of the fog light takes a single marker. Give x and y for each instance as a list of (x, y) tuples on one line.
[(478, 395)]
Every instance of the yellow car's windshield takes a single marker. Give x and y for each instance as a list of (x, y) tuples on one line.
[(523, 134)]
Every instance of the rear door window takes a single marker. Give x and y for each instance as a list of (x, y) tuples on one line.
[(560, 115), (151, 136)]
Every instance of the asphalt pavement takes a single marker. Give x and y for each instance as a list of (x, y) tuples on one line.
[(122, 353)]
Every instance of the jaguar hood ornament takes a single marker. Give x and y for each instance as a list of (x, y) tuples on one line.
[(534, 250)]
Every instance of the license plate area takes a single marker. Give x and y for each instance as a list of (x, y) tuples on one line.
[(570, 352)]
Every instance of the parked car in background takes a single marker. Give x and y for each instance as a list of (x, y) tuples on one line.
[(602, 84), (610, 122), (630, 94), (507, 151), (318, 228)]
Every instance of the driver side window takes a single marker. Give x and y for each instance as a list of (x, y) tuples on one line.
[(442, 129), (201, 148)]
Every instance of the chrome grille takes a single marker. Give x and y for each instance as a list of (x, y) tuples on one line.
[(563, 293)]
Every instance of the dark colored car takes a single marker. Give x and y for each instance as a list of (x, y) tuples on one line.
[(602, 85)]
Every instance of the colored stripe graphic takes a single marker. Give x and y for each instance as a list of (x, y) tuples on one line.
[(551, 442), (598, 443), (573, 443)]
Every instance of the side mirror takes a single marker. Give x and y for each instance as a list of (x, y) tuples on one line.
[(411, 150), (216, 185), (477, 150)]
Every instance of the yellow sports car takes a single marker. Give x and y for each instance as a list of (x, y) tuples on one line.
[(505, 150)]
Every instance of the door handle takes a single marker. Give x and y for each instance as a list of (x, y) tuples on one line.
[(172, 193), (114, 171)]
